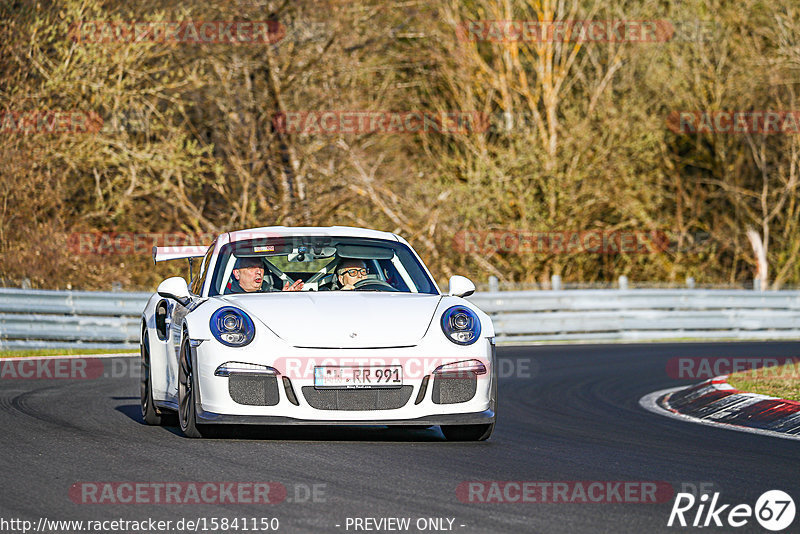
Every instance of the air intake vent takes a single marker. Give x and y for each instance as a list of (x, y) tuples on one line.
[(357, 399), (453, 388), (423, 388), (287, 386), (253, 390)]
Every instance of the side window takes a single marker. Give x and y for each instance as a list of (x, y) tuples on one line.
[(392, 276), (197, 282)]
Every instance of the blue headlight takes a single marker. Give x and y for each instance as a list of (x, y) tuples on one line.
[(232, 327), (461, 325)]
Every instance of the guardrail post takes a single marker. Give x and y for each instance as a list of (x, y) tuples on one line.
[(494, 284), (690, 282), (623, 282), (555, 282)]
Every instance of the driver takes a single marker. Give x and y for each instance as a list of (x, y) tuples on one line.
[(351, 272), (248, 274)]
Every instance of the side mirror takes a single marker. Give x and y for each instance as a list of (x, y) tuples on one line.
[(461, 286), (175, 288)]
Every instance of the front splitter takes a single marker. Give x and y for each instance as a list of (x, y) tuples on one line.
[(476, 418)]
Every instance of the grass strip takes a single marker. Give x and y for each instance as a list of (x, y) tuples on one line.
[(782, 381)]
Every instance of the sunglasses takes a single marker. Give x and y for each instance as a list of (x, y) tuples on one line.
[(354, 272)]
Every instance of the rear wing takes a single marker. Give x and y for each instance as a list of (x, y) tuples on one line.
[(178, 253)]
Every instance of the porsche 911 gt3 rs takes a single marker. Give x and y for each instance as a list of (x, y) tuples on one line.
[(368, 339)]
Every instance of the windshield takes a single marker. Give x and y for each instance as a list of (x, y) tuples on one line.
[(322, 263)]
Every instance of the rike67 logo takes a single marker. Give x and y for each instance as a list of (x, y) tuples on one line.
[(774, 510)]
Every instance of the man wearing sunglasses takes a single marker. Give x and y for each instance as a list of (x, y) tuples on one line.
[(351, 272)]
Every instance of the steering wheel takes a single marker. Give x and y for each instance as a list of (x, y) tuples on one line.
[(373, 284)]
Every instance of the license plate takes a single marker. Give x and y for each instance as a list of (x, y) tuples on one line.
[(388, 376)]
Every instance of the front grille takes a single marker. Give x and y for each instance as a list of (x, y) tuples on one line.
[(357, 399), (450, 388), (253, 390)]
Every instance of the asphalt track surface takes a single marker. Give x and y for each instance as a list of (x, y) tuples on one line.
[(575, 418)]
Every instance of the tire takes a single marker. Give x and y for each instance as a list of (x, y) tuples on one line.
[(187, 410), (467, 432), (149, 414)]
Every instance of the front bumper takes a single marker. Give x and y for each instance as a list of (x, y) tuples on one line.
[(215, 405)]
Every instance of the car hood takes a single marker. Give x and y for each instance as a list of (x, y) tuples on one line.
[(342, 320)]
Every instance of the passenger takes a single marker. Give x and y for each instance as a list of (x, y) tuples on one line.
[(248, 274)]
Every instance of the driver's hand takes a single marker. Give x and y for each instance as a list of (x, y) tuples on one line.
[(297, 286), (348, 287)]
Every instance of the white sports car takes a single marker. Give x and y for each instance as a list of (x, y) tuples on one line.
[(317, 326)]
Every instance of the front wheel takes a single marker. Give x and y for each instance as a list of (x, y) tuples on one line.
[(467, 432), (187, 411)]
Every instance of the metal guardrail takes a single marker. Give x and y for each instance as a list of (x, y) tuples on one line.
[(32, 318), (642, 314), (89, 319)]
